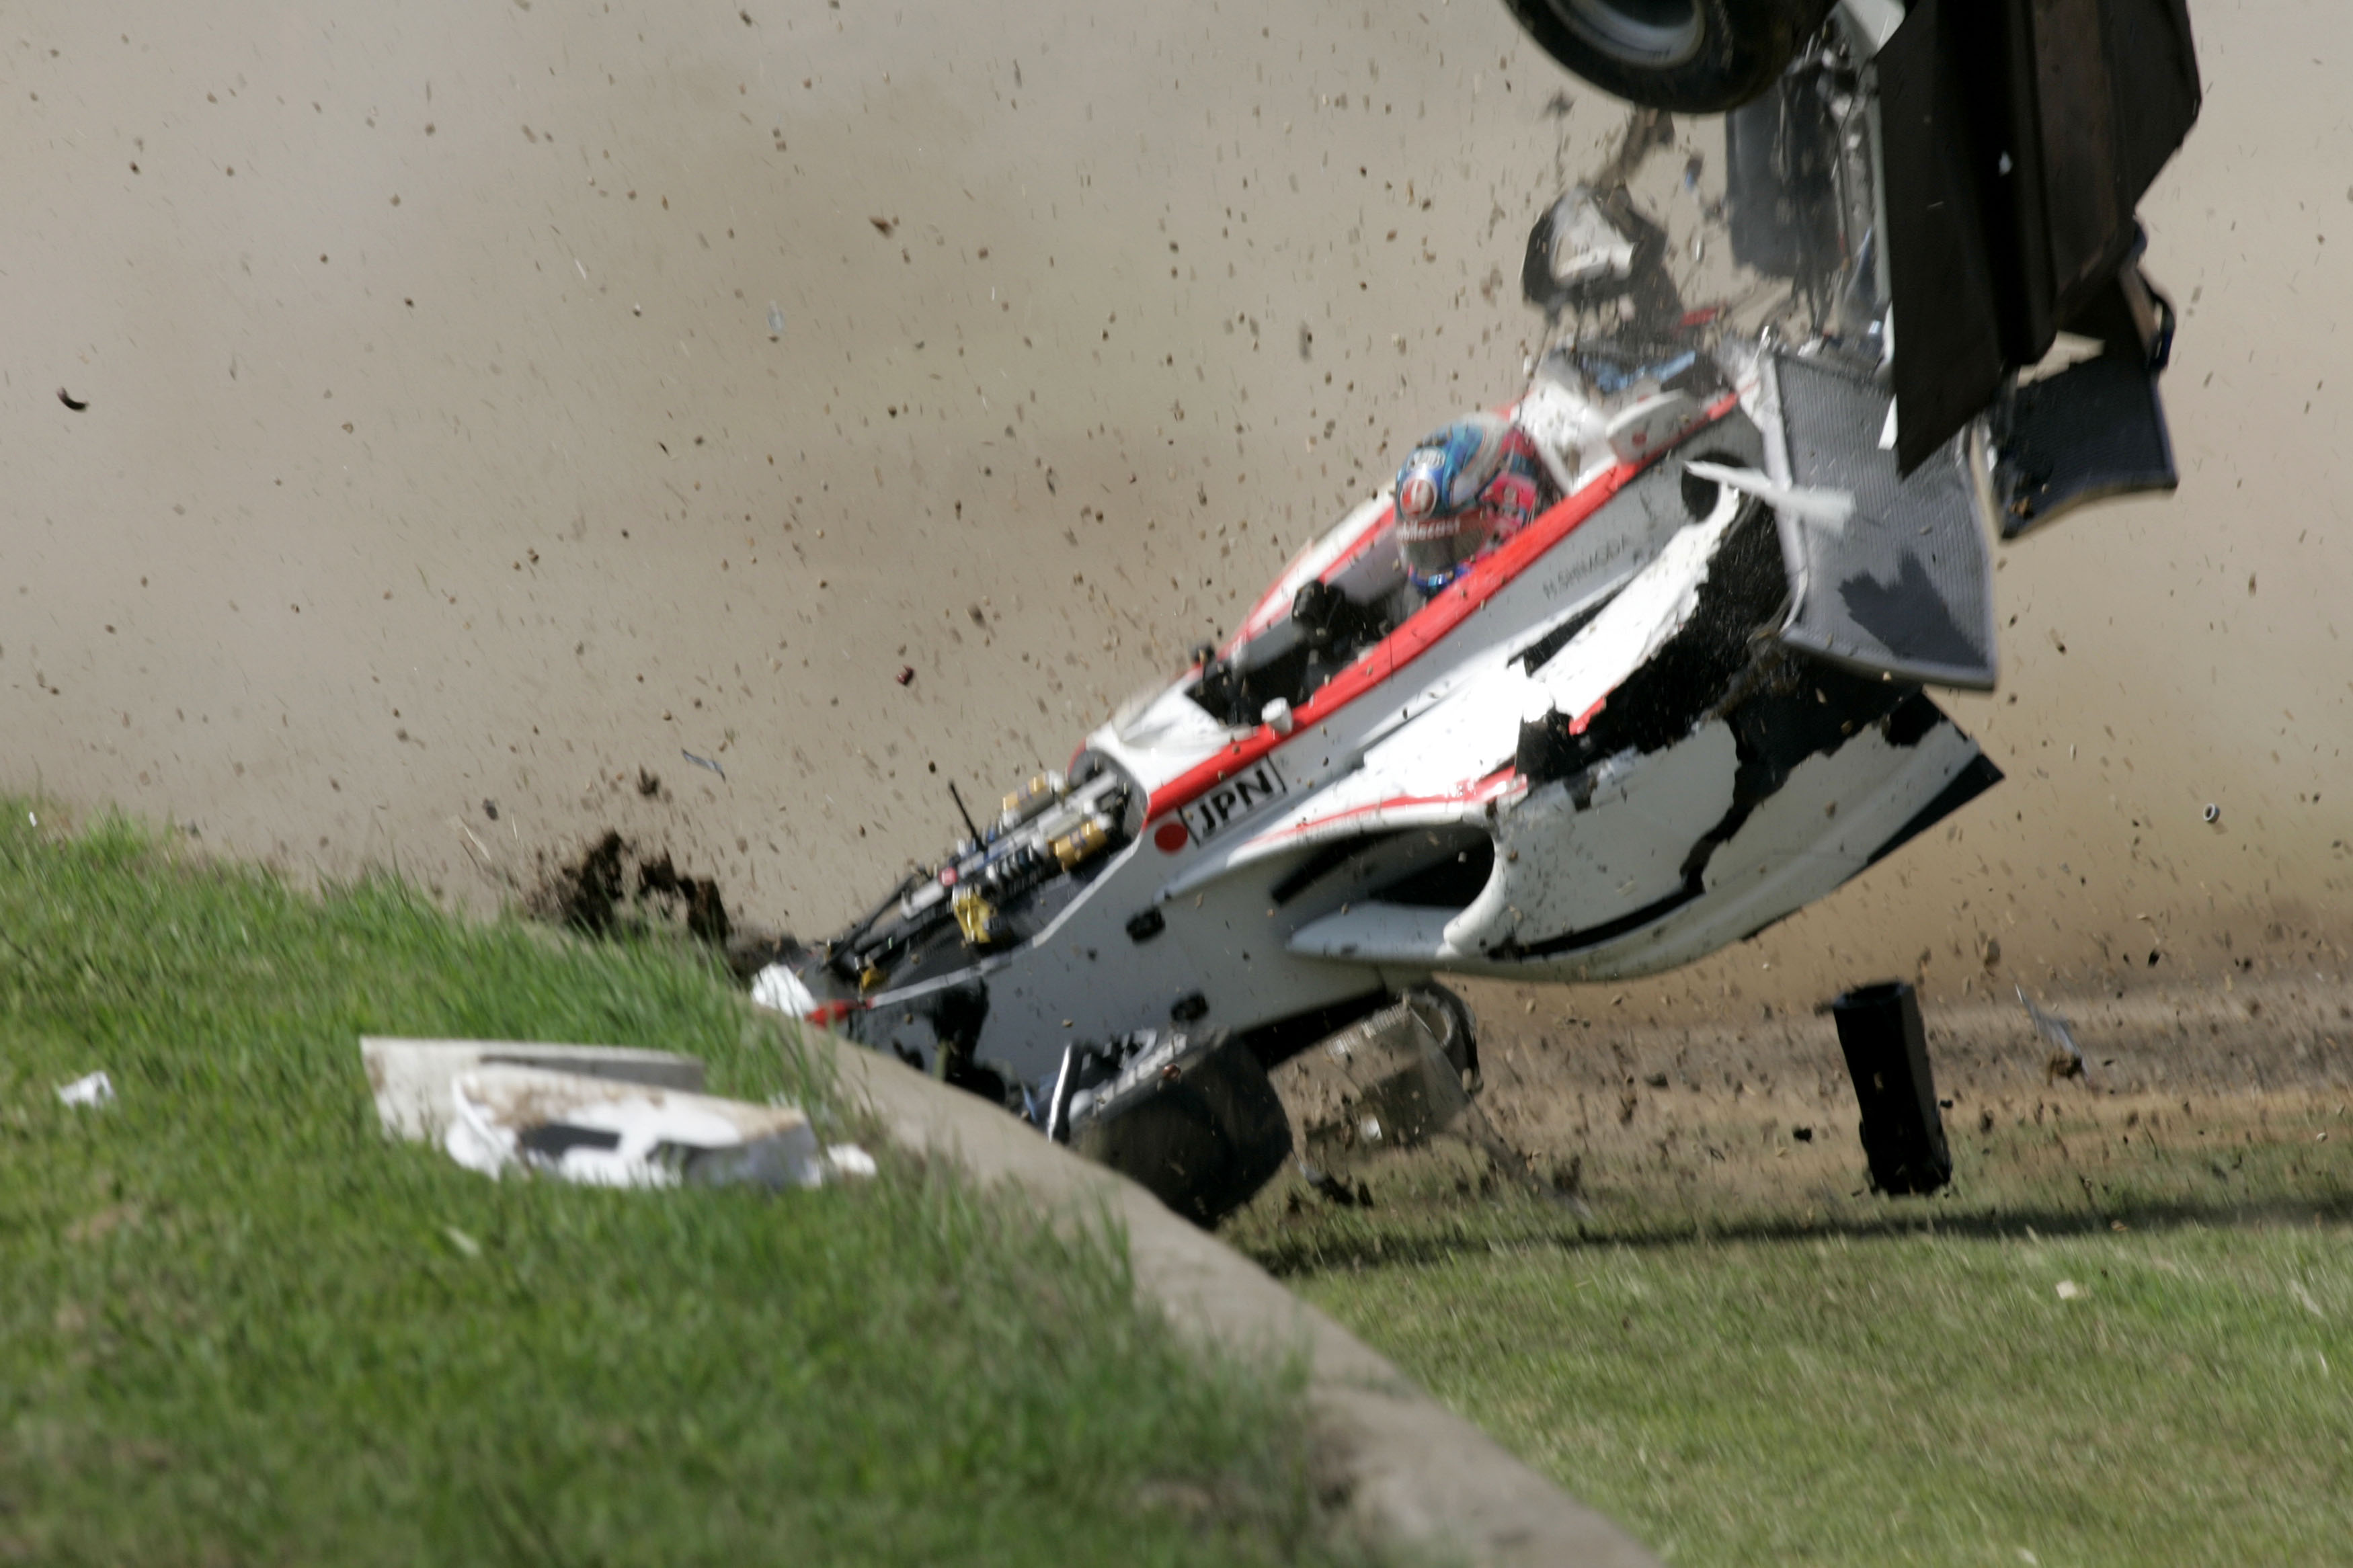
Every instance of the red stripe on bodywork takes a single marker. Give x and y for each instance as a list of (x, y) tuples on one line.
[(1454, 605), (1470, 794)]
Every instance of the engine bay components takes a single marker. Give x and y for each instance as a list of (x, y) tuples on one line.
[(979, 895)]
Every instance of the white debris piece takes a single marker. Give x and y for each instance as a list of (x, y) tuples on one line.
[(1586, 246), (605, 1115), (92, 1090), (778, 989), (601, 1133), (411, 1079), (1830, 507), (2066, 1055), (847, 1160)]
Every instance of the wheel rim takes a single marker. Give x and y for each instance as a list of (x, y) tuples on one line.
[(1651, 33)]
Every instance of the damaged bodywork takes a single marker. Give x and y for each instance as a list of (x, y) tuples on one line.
[(1684, 703)]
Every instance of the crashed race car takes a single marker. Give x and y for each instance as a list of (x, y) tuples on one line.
[(1619, 673)]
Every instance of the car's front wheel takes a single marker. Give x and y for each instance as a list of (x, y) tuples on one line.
[(1687, 57)]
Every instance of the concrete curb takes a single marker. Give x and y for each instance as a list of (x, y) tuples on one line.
[(1415, 1471)]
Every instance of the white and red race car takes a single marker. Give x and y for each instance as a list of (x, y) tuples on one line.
[(1685, 702)]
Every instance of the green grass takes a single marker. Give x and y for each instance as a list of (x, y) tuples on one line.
[(1891, 1384), (237, 1325)]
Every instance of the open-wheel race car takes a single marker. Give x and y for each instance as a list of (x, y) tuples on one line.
[(1682, 699)]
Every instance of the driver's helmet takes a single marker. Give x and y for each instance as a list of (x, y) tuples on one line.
[(1439, 523)]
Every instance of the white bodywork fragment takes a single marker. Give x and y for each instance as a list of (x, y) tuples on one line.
[(599, 1133)]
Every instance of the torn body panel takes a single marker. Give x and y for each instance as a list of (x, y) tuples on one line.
[(1903, 586)]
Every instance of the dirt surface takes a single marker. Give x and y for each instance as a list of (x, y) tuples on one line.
[(1759, 1117), (470, 404)]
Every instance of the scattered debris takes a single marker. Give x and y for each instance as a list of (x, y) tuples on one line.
[(2069, 1290), (776, 320), (1385, 1080), (1802, 1135), (649, 783), (1886, 1051), (1397, 1080), (595, 895), (2067, 1058), (1328, 1187), (491, 809), (598, 1132), (70, 401), (884, 226), (599, 1115), (92, 1090), (466, 1244), (2213, 813), (706, 916), (410, 1079), (906, 675), (703, 762)]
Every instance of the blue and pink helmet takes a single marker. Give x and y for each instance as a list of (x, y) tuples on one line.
[(1441, 523)]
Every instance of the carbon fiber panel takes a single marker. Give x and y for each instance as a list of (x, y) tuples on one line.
[(1905, 587)]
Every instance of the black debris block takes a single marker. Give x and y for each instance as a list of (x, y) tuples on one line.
[(1886, 1051)]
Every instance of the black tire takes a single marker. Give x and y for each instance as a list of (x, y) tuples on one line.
[(1205, 1143), (1686, 57)]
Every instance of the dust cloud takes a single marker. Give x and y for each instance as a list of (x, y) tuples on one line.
[(484, 404)]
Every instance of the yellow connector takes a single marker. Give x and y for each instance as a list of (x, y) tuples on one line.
[(976, 916), (1080, 844)]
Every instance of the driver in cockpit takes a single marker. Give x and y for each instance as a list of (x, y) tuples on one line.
[(1465, 490)]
